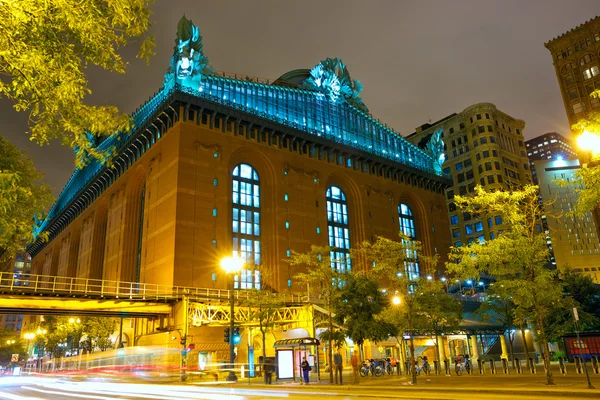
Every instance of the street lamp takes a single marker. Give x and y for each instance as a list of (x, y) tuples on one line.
[(232, 265), (589, 141)]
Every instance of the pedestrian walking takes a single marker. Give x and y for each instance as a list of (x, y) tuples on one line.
[(354, 362), (339, 367), (305, 370)]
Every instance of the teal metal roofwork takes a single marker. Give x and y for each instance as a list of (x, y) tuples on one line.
[(323, 110)]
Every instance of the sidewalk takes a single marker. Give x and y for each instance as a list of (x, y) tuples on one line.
[(571, 386)]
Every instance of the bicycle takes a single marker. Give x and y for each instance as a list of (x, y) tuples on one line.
[(426, 368), (460, 367), (374, 370)]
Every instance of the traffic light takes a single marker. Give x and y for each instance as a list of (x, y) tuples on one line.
[(183, 340), (226, 335), (236, 335)]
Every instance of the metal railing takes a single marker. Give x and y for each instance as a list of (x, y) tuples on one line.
[(24, 283)]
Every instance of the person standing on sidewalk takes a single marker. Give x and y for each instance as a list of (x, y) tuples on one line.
[(339, 367), (354, 362), (305, 369)]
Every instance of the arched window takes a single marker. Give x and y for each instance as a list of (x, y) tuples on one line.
[(406, 221), (339, 234), (588, 58), (246, 224), (567, 67)]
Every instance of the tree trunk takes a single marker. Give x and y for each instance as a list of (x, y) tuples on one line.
[(546, 349), (511, 339), (413, 366)]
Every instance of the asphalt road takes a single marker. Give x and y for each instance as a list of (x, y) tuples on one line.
[(37, 388)]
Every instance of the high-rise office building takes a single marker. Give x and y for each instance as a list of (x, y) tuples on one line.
[(575, 58), (574, 239), (549, 146), (484, 146)]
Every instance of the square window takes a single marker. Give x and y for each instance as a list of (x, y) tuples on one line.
[(459, 166), (478, 226), (454, 219), (468, 229)]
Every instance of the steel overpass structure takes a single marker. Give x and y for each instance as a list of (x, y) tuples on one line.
[(31, 294)]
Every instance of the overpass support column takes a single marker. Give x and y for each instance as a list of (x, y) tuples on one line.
[(441, 348), (474, 349)]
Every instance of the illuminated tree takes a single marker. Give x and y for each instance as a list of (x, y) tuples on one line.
[(402, 266), (265, 306), (358, 306), (516, 259), (22, 196), (45, 46), (322, 281), (10, 344)]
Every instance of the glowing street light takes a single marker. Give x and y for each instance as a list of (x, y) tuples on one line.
[(396, 300), (589, 141), (232, 265)]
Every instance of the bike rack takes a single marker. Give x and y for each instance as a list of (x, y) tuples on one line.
[(505, 366), (492, 366)]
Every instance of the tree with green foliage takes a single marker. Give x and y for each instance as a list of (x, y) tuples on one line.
[(516, 259), (22, 197), (322, 281), (264, 306), (67, 333), (96, 333), (356, 309), (439, 312), (403, 267), (582, 293), (10, 344), (45, 47)]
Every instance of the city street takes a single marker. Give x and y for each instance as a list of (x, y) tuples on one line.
[(391, 387)]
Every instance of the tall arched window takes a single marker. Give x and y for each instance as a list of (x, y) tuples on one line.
[(246, 224), (339, 234), (406, 221)]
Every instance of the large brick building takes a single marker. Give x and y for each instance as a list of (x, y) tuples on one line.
[(575, 58), (484, 146), (220, 163)]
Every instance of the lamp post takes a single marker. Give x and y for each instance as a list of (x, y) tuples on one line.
[(232, 265)]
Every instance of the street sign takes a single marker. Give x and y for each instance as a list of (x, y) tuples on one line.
[(575, 314), (14, 358)]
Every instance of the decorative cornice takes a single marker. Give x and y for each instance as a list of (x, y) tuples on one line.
[(578, 27)]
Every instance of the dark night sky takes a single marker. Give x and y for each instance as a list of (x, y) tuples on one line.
[(418, 60)]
